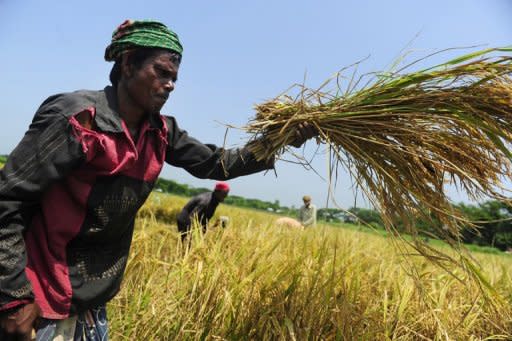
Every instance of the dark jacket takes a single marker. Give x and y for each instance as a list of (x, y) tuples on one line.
[(202, 207), (69, 194)]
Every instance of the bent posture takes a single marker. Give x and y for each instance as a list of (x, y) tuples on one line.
[(290, 223), (201, 208)]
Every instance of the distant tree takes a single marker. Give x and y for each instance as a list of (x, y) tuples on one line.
[(235, 200), (275, 206), (195, 191), (367, 216), (493, 219), (170, 186), (331, 214)]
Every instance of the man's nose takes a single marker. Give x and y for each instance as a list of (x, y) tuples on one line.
[(169, 85)]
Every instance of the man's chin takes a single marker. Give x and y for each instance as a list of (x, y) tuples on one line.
[(155, 110)]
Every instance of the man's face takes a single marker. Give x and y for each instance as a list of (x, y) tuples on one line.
[(220, 195), (150, 85), (306, 203)]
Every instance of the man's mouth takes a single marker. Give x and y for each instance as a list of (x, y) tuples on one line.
[(163, 97)]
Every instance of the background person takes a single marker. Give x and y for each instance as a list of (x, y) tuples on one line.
[(221, 221), (307, 212), (288, 222), (201, 207)]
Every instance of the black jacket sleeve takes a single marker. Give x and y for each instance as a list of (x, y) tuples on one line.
[(207, 161), (46, 153)]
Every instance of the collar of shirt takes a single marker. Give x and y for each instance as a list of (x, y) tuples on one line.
[(107, 113)]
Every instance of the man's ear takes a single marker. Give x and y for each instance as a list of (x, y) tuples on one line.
[(126, 67)]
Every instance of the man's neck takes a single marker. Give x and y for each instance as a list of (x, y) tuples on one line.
[(131, 113), (214, 198)]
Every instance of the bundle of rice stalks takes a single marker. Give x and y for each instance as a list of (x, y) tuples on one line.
[(404, 135)]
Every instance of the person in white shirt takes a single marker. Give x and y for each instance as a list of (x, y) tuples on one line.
[(307, 213)]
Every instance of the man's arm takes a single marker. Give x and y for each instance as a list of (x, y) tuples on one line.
[(45, 154), (301, 215), (208, 161)]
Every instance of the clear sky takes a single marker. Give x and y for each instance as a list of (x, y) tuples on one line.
[(236, 54)]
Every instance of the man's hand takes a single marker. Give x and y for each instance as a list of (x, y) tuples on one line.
[(20, 323), (304, 132)]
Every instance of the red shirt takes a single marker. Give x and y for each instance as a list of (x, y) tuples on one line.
[(69, 195)]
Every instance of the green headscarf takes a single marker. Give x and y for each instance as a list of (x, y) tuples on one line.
[(141, 33)]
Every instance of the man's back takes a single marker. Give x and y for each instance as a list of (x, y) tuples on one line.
[(201, 206)]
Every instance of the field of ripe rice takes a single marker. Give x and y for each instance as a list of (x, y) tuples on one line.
[(254, 281)]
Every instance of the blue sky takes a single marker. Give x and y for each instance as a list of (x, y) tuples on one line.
[(236, 54)]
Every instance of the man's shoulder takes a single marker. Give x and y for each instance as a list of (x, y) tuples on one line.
[(204, 195), (68, 103), (201, 196), (170, 121)]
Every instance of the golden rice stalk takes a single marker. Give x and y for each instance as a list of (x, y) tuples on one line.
[(404, 136)]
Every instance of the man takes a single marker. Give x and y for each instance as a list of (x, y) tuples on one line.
[(202, 207), (307, 213), (70, 190)]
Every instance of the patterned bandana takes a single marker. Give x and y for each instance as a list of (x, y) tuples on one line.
[(143, 33)]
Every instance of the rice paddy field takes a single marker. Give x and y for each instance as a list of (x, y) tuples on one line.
[(402, 135), (255, 281)]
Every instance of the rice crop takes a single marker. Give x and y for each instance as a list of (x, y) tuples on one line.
[(255, 281), (403, 136)]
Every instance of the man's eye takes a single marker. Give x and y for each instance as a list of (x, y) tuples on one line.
[(166, 74)]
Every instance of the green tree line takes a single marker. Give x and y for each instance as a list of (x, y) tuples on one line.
[(170, 186), (493, 221), (493, 218)]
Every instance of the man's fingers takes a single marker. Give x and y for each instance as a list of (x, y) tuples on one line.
[(298, 140), (21, 322), (28, 314), (308, 130), (304, 132)]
